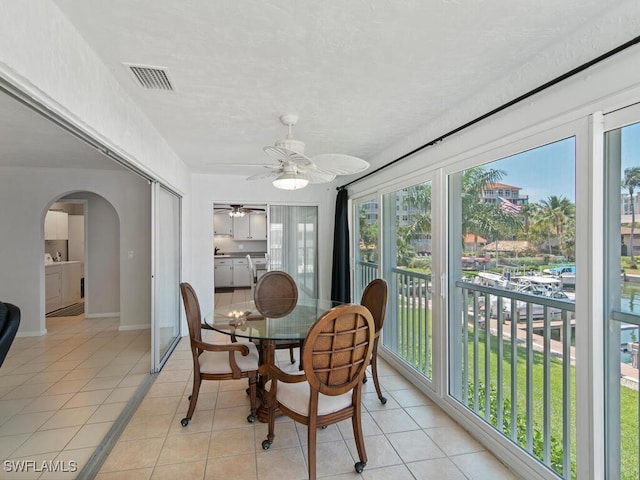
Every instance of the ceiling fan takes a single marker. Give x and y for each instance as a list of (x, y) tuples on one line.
[(236, 210), (295, 170)]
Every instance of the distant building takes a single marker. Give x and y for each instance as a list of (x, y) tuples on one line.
[(493, 192), (473, 243)]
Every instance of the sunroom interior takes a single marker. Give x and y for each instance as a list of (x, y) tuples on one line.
[(464, 208)]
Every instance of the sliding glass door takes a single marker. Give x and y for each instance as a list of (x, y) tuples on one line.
[(166, 274), (293, 245), (622, 321)]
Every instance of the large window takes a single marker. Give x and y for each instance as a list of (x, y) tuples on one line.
[(511, 323), (622, 160)]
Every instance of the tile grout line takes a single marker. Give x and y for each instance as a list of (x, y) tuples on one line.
[(98, 457)]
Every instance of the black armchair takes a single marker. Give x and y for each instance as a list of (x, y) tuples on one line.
[(9, 323)]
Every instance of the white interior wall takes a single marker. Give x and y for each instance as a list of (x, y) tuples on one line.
[(210, 189), (25, 196), (103, 250)]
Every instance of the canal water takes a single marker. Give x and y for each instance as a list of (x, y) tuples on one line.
[(629, 303)]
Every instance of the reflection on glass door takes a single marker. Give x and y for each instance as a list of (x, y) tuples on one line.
[(622, 160), (406, 240), (166, 274), (366, 266), (293, 245)]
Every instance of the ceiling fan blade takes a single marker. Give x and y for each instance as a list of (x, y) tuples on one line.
[(263, 175), (339, 164), (287, 156), (316, 176)]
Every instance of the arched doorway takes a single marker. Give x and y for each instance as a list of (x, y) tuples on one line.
[(89, 270)]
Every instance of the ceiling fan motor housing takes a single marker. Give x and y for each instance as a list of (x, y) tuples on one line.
[(291, 144)]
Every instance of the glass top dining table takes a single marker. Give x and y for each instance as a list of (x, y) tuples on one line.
[(281, 319)]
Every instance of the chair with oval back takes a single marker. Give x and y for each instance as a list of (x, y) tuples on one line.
[(335, 355), (374, 298), (275, 296)]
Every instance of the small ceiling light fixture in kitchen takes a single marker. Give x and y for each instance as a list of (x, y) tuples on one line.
[(236, 212), (290, 181)]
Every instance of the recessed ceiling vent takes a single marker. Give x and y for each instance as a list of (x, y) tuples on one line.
[(153, 78)]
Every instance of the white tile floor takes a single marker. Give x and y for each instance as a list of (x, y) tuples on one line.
[(60, 394), (409, 437)]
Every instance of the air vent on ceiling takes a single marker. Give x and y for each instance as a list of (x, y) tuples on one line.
[(151, 77)]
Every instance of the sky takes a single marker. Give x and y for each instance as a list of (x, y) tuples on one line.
[(631, 146), (542, 172)]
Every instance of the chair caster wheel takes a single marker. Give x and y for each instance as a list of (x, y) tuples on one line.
[(383, 400), (324, 427), (266, 444), (364, 380), (189, 397), (360, 466), (184, 422), (247, 391), (251, 418)]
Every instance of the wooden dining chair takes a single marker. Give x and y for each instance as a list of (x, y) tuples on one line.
[(275, 296), (374, 298), (217, 361), (335, 355)]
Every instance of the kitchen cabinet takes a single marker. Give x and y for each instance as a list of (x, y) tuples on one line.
[(62, 285), (222, 224), (241, 273), (223, 272), (231, 272), (53, 287), (56, 225), (250, 227)]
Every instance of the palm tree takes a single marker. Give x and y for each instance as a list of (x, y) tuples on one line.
[(554, 212), (630, 182), (418, 200), (527, 211), (475, 211)]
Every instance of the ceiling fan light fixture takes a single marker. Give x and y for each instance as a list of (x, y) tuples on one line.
[(290, 181), (236, 213)]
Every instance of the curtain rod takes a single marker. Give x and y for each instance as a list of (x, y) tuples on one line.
[(504, 106)]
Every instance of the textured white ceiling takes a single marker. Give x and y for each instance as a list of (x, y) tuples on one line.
[(362, 74), (28, 139)]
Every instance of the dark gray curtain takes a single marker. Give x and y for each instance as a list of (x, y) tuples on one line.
[(340, 280)]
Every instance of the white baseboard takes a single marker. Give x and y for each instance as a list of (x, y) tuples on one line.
[(32, 333), (142, 326), (102, 315)]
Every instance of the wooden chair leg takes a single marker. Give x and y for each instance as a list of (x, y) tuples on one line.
[(292, 358), (271, 419), (312, 430), (253, 396), (374, 372), (193, 399), (356, 421)]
